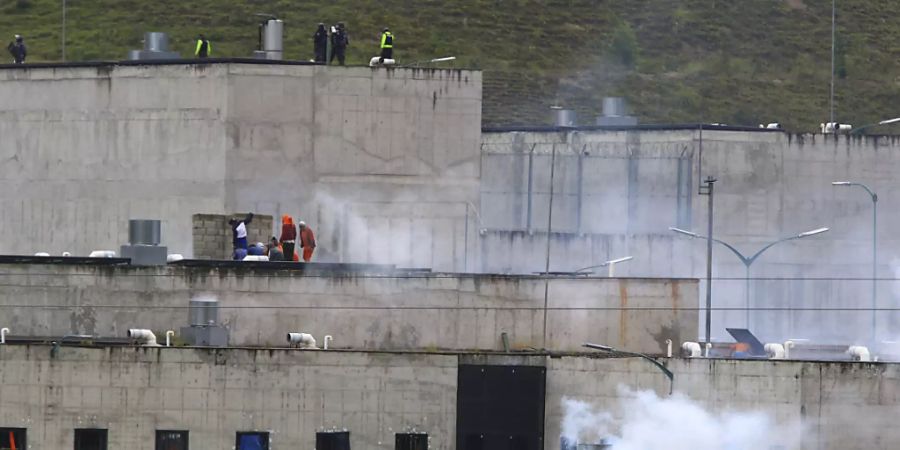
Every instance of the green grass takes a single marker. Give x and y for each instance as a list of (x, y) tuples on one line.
[(731, 61)]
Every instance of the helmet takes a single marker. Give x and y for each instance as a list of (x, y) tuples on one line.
[(386, 29), (18, 38), (302, 223)]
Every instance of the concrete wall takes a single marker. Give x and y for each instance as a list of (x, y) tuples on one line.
[(374, 311), (634, 185), (212, 236), (215, 393), (830, 399), (373, 160)]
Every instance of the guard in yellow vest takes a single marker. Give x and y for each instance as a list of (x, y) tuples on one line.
[(203, 48), (387, 45)]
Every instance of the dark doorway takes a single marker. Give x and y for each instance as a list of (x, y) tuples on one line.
[(90, 439), (411, 441), (171, 440), (12, 438), (500, 408), (337, 440)]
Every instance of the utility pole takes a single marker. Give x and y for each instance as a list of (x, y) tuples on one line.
[(64, 30), (832, 60), (708, 191)]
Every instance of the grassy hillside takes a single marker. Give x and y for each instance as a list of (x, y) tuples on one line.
[(731, 61)]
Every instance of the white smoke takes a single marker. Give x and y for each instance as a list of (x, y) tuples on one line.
[(643, 421)]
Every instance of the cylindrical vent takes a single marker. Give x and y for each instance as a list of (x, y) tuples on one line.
[(273, 38), (143, 232), (156, 41), (204, 312), (565, 118), (614, 107)]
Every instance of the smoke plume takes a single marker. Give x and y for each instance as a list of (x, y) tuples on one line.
[(643, 421)]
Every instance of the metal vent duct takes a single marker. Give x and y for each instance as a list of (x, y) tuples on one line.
[(564, 117), (204, 312), (155, 41), (273, 39), (144, 232), (614, 107)]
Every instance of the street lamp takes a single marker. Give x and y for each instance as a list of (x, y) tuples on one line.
[(874, 197), (668, 373), (883, 122), (748, 261), (611, 264)]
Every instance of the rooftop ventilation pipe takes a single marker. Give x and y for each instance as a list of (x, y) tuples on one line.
[(143, 336), (327, 339), (301, 340), (615, 114), (3, 332), (564, 117), (690, 349), (859, 353), (775, 351)]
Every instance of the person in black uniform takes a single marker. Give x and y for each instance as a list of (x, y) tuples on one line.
[(320, 43), (339, 42), (17, 50)]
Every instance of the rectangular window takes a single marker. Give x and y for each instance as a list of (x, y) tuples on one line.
[(171, 440), (12, 438), (90, 439), (336, 440), (252, 441), (411, 441)]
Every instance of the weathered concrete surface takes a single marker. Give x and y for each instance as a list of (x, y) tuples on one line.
[(616, 193), (373, 311), (87, 148), (828, 398), (215, 393)]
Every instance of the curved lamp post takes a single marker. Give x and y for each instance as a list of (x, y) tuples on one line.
[(748, 260), (883, 122), (611, 264), (874, 197), (665, 370)]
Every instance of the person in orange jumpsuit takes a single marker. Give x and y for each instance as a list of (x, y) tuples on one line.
[(288, 235), (307, 241)]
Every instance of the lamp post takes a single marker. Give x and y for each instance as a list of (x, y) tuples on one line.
[(874, 197), (63, 39), (883, 122), (611, 264), (665, 370), (748, 260)]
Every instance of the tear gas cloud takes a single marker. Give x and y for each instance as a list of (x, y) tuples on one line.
[(643, 421)]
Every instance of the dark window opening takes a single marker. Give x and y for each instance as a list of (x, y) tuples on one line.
[(171, 440), (411, 441), (90, 439), (12, 438), (252, 441), (336, 440)]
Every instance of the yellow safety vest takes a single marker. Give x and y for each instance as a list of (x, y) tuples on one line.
[(200, 45), (387, 40)]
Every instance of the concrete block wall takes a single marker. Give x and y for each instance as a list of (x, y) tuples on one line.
[(362, 311), (213, 235), (372, 159), (828, 398), (636, 184), (214, 394)]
